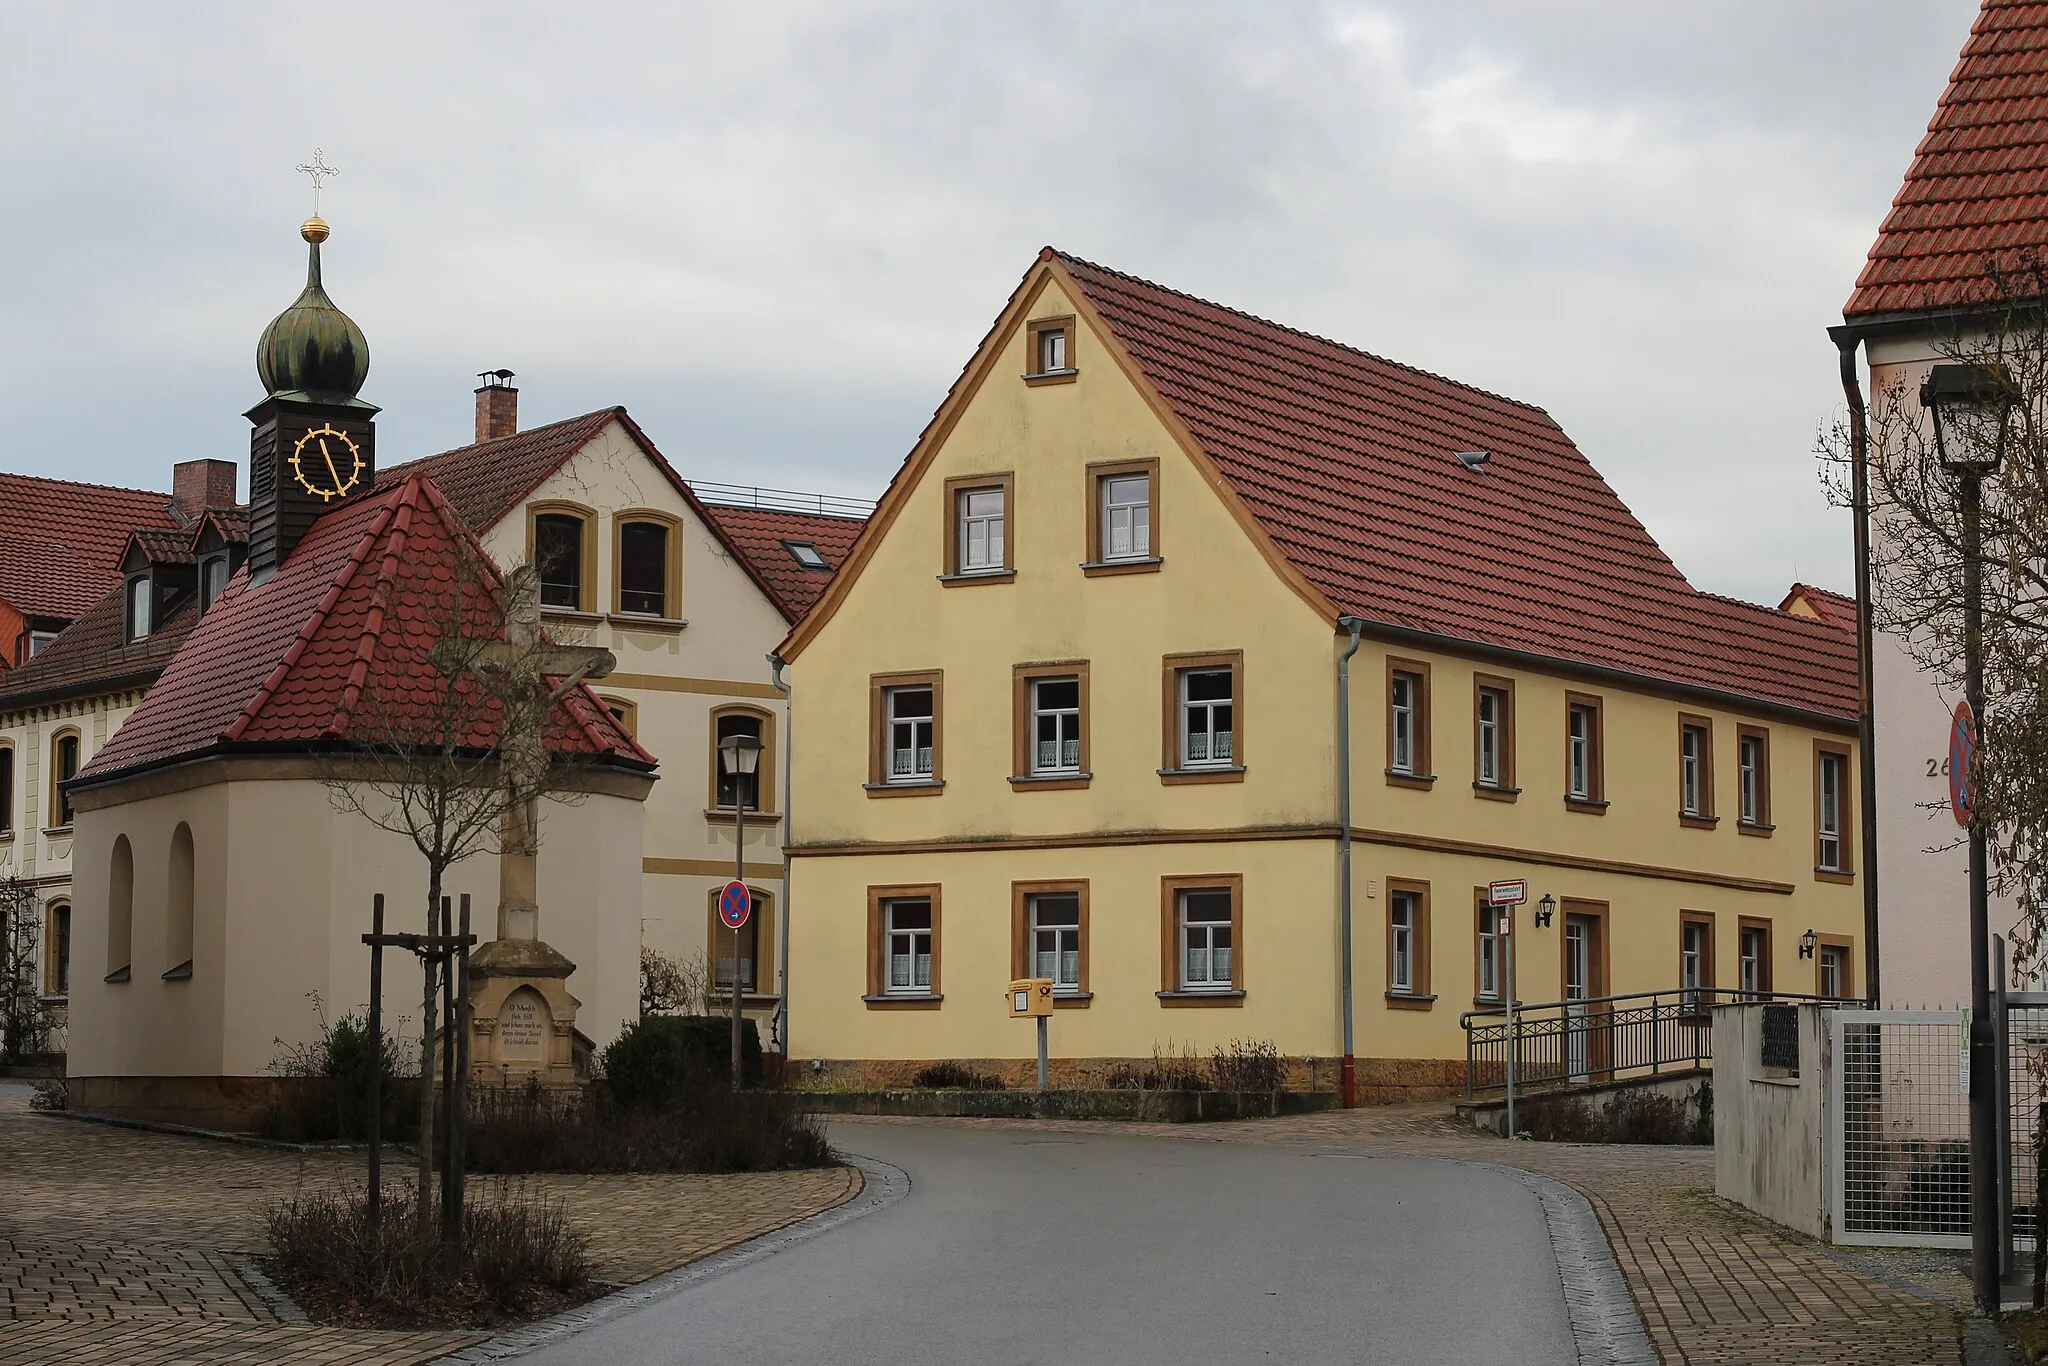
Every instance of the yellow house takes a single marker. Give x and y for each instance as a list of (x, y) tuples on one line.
[(1186, 650)]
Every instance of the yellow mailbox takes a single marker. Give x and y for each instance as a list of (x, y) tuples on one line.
[(1031, 998)]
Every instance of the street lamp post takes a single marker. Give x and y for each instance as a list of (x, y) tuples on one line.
[(739, 759), (1972, 410)]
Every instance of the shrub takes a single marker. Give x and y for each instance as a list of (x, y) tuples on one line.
[(1647, 1117), (953, 1076), (518, 1257), (1173, 1068), (709, 1130), (659, 1059), (1247, 1065), (326, 1091), (51, 1093)]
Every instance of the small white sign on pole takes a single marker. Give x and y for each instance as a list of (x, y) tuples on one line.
[(1509, 892)]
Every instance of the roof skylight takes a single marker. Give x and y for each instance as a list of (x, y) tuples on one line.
[(806, 554)]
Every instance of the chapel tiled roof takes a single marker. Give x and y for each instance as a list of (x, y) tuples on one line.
[(759, 534), (92, 653), (1349, 463), (1836, 609), (1977, 190), (335, 639), (61, 542)]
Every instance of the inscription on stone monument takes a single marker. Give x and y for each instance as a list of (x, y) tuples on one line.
[(523, 1028)]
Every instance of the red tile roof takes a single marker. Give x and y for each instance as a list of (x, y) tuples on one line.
[(61, 542), (1348, 462), (758, 534), (92, 654), (342, 630), (1836, 609), (1978, 186)]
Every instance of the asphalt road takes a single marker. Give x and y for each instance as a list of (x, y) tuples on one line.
[(1025, 1249)]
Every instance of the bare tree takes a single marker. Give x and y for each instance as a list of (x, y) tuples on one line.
[(669, 985), (24, 1018)]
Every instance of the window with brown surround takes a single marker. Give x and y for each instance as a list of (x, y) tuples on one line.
[(903, 947), (1408, 724), (57, 949), (1408, 944), (1696, 959), (1051, 356), (1049, 726), (1493, 738), (6, 790), (1123, 518), (647, 565), (1753, 947), (64, 759), (980, 535), (1834, 971), (1204, 718), (561, 545), (1489, 949), (1696, 772), (1585, 757), (1753, 780), (1049, 936), (740, 719), (906, 734), (756, 949), (1201, 940), (625, 712), (1833, 813)]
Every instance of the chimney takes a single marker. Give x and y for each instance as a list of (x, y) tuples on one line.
[(497, 406), (197, 485)]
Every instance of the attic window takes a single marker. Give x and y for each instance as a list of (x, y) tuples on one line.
[(138, 598), (805, 554), (1051, 357), (1473, 460)]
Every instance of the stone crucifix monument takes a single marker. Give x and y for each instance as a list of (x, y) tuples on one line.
[(523, 1019)]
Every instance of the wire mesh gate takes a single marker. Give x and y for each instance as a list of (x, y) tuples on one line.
[(1899, 1127)]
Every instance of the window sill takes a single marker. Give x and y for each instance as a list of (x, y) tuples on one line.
[(978, 576), (1409, 1000), (722, 815), (180, 973), (580, 617), (1761, 831), (1421, 782), (1102, 569), (1691, 822), (1494, 792), (62, 998), (1591, 806), (1051, 377), (1490, 1003), (1050, 782), (120, 974), (1833, 875), (1200, 998), (1072, 1000), (1789, 1080), (721, 1001), (1219, 774), (57, 829), (930, 789), (903, 1002), (633, 621)]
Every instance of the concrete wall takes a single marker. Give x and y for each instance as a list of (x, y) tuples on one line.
[(1770, 1133)]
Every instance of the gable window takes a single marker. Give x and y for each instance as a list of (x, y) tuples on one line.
[(1695, 960), (648, 580), (1755, 966), (730, 788), (1408, 724), (981, 530), (6, 789), (1753, 779), (57, 949), (138, 611), (64, 758), (1831, 811), (911, 737), (905, 742), (1123, 518), (805, 554), (1208, 718), (1050, 726), (213, 581), (1407, 942), (1584, 782), (1696, 771), (562, 553), (1051, 354), (1489, 977)]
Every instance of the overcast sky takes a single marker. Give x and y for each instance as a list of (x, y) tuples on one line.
[(775, 231)]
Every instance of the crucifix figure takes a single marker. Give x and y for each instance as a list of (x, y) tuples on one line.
[(319, 170)]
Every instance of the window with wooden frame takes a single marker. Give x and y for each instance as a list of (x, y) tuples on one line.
[(64, 760), (1049, 936), (1123, 518), (1696, 772), (1584, 753), (1049, 726), (625, 712), (1051, 355), (756, 948), (1753, 780), (6, 790), (139, 597), (903, 946), (1408, 724), (1833, 820), (561, 545), (1489, 949), (1833, 967), (1408, 944), (1201, 942), (57, 948), (979, 534), (1204, 718), (1695, 960), (759, 788), (1493, 738), (647, 564), (906, 734), (1753, 946)]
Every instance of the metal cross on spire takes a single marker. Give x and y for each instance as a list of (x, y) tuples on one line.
[(319, 170)]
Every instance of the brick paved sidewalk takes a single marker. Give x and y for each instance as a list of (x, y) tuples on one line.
[(1714, 1286), (120, 1245)]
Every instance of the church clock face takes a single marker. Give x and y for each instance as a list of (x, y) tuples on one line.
[(327, 463)]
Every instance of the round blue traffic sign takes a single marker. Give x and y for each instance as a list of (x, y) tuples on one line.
[(735, 904)]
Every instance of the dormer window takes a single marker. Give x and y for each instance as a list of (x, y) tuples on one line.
[(138, 598), (805, 554), (213, 581)]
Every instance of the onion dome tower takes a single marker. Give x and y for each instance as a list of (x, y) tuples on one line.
[(314, 443)]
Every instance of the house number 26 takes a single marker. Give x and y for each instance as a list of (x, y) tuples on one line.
[(1937, 768)]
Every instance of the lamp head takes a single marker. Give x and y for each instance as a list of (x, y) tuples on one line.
[(739, 755), (1972, 407), (1807, 944)]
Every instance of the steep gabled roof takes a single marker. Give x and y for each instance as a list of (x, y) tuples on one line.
[(61, 542), (761, 535), (343, 627), (1977, 190), (1822, 604)]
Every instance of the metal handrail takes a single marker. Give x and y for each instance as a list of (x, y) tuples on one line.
[(1705, 995)]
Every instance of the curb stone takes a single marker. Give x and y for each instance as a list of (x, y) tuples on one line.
[(881, 1186), (1605, 1325), (251, 1272)]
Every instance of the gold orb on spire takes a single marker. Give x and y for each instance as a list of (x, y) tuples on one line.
[(314, 230)]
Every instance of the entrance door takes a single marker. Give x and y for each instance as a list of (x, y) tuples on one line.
[(1580, 932)]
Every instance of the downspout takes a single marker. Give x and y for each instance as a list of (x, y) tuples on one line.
[(1866, 730), (1349, 1078), (776, 665)]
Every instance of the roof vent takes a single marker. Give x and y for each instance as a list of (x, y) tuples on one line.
[(1472, 460)]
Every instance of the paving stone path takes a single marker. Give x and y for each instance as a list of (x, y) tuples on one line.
[(122, 1245), (1714, 1286)]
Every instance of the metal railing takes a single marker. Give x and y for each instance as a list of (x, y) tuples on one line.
[(1597, 1039), (780, 500)]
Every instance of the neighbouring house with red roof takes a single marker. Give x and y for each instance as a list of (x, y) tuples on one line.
[(1210, 672), (1972, 205)]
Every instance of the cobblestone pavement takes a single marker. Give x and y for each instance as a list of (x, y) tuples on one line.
[(121, 1245), (1715, 1287)]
